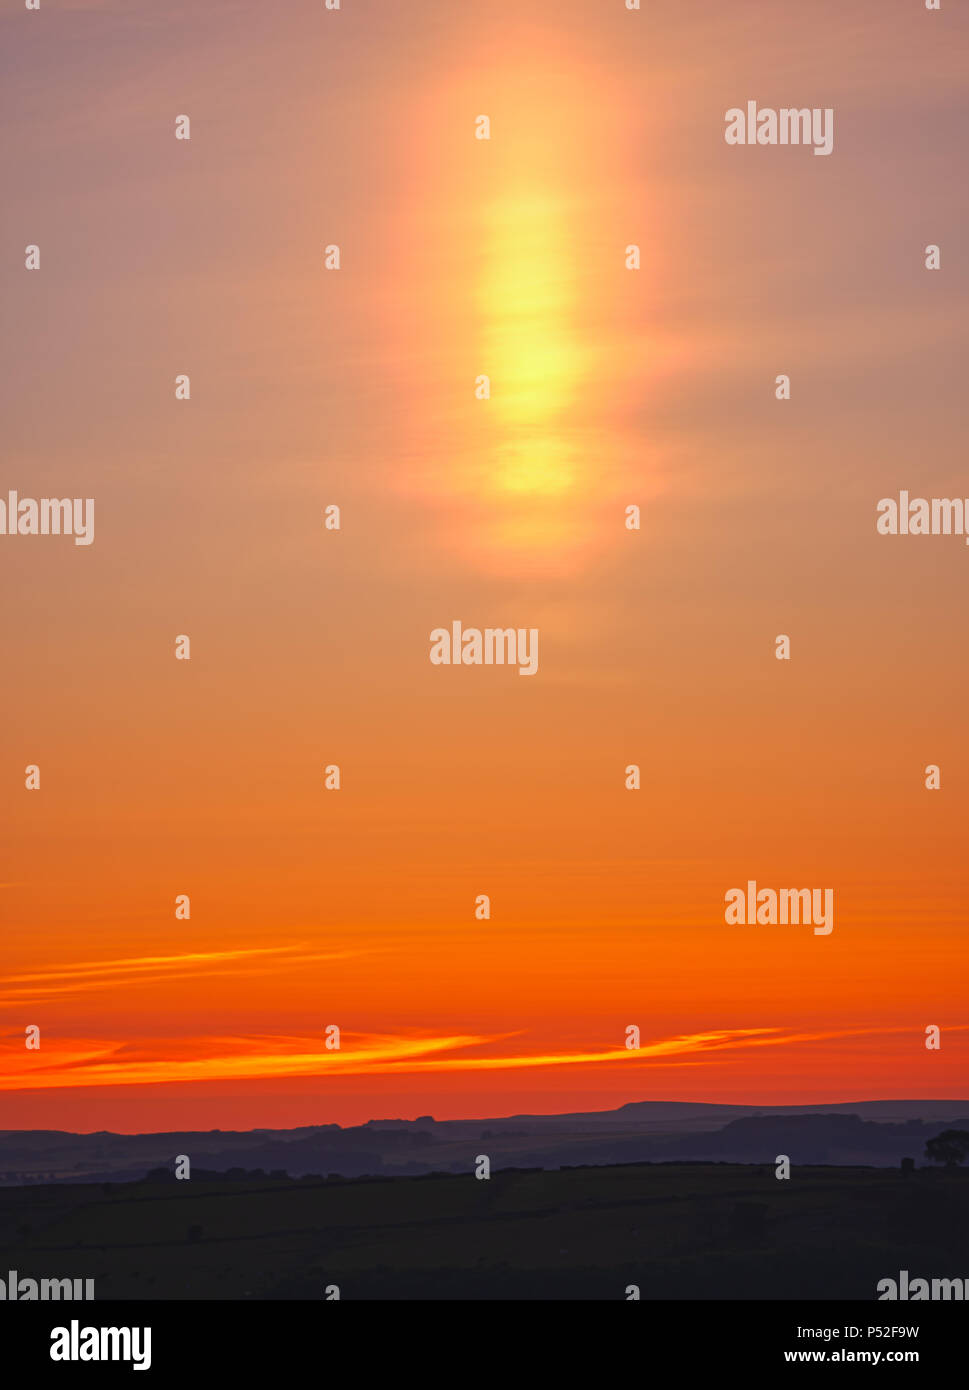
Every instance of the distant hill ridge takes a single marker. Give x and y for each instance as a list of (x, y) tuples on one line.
[(878, 1133)]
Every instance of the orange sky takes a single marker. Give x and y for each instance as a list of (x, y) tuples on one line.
[(609, 387)]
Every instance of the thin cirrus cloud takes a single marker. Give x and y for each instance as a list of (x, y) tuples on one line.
[(99, 1063), (228, 1059), (85, 976)]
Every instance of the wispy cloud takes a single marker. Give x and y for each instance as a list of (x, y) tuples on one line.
[(85, 976), (219, 1059), (80, 1063)]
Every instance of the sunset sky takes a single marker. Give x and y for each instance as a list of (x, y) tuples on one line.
[(356, 387)]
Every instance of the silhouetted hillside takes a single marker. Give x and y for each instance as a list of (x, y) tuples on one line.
[(674, 1230), (876, 1133)]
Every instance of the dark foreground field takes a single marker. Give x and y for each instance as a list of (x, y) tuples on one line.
[(677, 1230)]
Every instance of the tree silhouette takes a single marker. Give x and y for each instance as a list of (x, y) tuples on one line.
[(950, 1147)]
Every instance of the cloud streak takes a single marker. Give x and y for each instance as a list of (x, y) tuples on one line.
[(127, 971), (99, 1063)]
